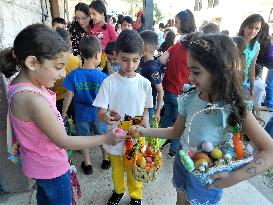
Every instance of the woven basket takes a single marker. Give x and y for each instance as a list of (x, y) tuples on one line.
[(229, 166), (141, 174)]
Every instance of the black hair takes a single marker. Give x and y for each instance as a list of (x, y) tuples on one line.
[(226, 32), (35, 40), (83, 7), (114, 19), (249, 21), (187, 22), (128, 19), (161, 25), (129, 41), (218, 54), (110, 47), (89, 46), (210, 28), (58, 20), (240, 42), (99, 6), (150, 39), (120, 17), (265, 41), (258, 69), (64, 34), (169, 41)]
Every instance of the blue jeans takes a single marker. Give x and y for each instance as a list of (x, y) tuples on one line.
[(151, 113), (55, 191), (170, 116), (269, 127), (91, 128), (269, 89)]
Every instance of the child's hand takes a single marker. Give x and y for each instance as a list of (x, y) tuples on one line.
[(222, 180), (135, 131), (112, 117), (157, 117), (112, 138)]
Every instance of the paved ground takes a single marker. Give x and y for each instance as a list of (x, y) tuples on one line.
[(96, 188)]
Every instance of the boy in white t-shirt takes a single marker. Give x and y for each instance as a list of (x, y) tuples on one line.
[(126, 93)]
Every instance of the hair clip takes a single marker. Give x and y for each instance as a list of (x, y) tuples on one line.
[(206, 45)]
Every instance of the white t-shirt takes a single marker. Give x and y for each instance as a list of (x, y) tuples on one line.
[(126, 96), (259, 91)]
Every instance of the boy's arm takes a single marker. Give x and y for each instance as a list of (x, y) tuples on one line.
[(67, 100), (145, 121), (105, 117), (160, 94)]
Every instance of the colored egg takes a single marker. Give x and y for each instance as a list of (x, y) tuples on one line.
[(202, 155), (216, 153), (207, 146)]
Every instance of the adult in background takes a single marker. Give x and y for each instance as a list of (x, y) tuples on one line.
[(250, 31), (177, 72), (80, 26)]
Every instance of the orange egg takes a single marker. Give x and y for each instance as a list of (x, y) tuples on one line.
[(202, 155)]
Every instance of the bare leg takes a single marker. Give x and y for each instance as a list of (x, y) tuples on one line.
[(104, 153), (181, 199), (86, 157)]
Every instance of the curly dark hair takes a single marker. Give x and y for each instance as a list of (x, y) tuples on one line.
[(221, 60)]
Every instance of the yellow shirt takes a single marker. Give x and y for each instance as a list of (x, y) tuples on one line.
[(73, 62)]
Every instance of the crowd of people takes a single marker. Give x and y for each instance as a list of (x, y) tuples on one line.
[(96, 69)]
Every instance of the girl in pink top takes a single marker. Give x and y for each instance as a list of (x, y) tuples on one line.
[(40, 54), (100, 28)]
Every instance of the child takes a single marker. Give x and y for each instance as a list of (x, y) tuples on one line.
[(127, 23), (259, 86), (72, 63), (151, 69), (40, 54), (112, 64), (213, 61), (58, 22), (118, 95), (84, 83)]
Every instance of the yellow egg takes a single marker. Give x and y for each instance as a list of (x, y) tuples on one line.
[(216, 153)]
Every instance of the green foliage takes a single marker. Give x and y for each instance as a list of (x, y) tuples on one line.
[(157, 14), (135, 6)]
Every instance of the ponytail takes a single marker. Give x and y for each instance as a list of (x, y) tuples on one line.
[(8, 62)]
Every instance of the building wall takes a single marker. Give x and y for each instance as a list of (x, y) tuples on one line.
[(15, 15)]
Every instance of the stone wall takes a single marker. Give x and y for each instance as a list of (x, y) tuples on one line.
[(14, 16)]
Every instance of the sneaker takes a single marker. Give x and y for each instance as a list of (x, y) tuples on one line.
[(105, 164), (135, 202), (171, 154), (87, 169), (115, 198)]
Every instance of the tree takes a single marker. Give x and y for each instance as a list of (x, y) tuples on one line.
[(157, 13), (135, 6)]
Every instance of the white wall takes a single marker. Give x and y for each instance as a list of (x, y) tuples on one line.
[(16, 15)]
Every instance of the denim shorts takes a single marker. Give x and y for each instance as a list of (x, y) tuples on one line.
[(91, 128), (55, 191), (196, 193)]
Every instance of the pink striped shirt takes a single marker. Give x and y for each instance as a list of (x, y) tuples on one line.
[(41, 158)]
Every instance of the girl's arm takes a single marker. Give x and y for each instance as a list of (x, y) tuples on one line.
[(160, 94), (39, 111), (251, 74), (67, 101), (262, 159), (164, 133), (164, 58)]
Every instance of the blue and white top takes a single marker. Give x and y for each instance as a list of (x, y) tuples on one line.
[(250, 54)]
